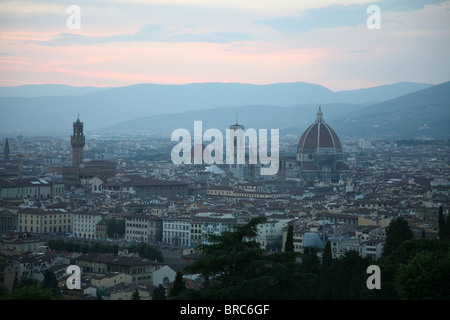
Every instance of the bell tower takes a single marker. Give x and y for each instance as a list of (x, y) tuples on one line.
[(77, 140)]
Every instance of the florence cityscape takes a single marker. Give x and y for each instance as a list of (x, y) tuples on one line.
[(231, 151)]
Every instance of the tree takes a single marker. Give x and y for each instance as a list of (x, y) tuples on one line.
[(147, 251), (397, 283), (85, 248), (289, 245), (26, 282), (115, 227), (397, 232), (50, 281), (326, 273), (111, 228), (159, 293), (115, 249), (327, 257), (425, 277), (234, 266), (231, 265), (178, 286), (350, 276), (30, 293), (136, 295), (310, 261), (444, 225)]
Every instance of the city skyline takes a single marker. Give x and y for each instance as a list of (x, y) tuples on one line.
[(179, 42)]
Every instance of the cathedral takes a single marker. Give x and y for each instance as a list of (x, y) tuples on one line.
[(319, 153), (318, 158), (81, 171)]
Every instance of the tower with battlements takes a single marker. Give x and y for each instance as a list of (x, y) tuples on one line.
[(77, 140), (81, 171)]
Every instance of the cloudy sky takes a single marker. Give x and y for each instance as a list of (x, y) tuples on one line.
[(124, 42)]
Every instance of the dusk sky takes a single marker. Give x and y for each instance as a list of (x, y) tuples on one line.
[(125, 42)]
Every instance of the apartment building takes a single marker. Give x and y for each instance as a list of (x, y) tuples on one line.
[(85, 223), (38, 220), (196, 231), (215, 225), (271, 232), (29, 188), (145, 228), (140, 269), (176, 231)]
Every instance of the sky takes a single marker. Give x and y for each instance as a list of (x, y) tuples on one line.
[(111, 43)]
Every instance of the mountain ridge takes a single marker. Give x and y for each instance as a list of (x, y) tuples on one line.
[(381, 119), (104, 107)]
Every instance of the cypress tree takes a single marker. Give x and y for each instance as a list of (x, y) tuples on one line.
[(289, 245), (178, 285), (50, 281), (444, 225), (326, 273), (159, 293), (136, 295), (327, 256)]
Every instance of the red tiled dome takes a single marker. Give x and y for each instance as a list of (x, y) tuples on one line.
[(319, 135)]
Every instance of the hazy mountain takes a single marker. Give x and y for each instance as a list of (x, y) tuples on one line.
[(103, 107), (251, 116), (109, 106), (380, 93), (422, 113), (46, 90)]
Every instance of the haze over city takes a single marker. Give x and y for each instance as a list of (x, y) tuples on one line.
[(136, 162)]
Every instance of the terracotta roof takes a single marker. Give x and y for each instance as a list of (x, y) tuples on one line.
[(308, 166), (319, 135)]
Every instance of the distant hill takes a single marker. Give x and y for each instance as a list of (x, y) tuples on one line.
[(46, 90), (422, 113), (380, 93), (52, 107), (106, 107), (251, 116)]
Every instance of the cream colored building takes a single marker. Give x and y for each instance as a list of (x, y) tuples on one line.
[(141, 227), (125, 291), (111, 279), (298, 238), (21, 245), (35, 220), (367, 221), (84, 224)]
